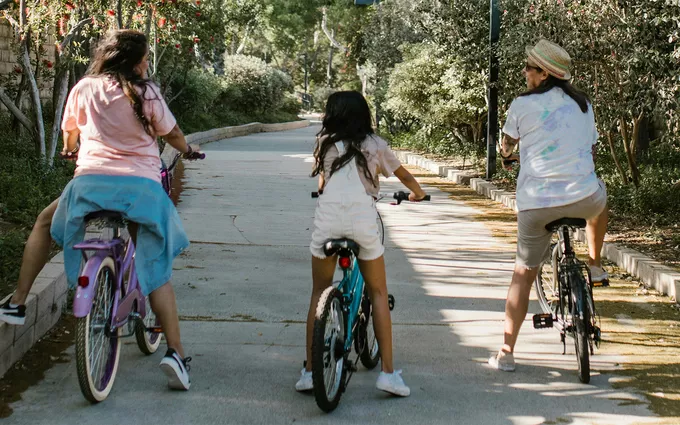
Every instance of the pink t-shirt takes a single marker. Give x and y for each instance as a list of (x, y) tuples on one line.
[(112, 139)]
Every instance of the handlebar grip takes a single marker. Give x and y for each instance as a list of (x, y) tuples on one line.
[(193, 156), (315, 194), (426, 198)]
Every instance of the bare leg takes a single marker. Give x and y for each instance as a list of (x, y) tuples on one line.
[(517, 304), (36, 253), (322, 278), (164, 305), (595, 231), (376, 282)]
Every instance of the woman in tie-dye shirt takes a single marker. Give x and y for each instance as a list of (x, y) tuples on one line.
[(554, 125)]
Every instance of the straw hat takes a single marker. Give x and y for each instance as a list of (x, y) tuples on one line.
[(551, 58)]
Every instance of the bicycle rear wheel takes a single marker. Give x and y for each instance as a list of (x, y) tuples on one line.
[(328, 350), (547, 283), (381, 228), (581, 320), (367, 343), (98, 352)]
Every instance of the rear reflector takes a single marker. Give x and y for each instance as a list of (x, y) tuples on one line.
[(345, 262), (83, 281)]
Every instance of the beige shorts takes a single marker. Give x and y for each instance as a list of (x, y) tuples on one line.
[(533, 240), (355, 221)]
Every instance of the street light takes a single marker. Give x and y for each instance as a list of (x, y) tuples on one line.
[(492, 123)]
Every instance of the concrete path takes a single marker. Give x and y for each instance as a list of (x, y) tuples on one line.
[(243, 289)]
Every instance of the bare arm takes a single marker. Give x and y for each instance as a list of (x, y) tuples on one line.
[(508, 146), (177, 140), (417, 193), (322, 182), (70, 141)]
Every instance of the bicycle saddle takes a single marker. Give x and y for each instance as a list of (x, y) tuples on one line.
[(334, 246), (571, 222), (104, 215)]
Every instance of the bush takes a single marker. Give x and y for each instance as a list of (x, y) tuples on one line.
[(252, 85), (249, 91), (320, 97)]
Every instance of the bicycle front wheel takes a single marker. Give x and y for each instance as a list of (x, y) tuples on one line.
[(381, 228), (581, 320), (547, 283), (148, 342), (369, 351), (328, 350), (97, 351)]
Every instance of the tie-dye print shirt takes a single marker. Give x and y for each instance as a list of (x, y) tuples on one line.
[(556, 141)]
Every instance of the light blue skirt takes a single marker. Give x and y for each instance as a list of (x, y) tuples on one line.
[(160, 237)]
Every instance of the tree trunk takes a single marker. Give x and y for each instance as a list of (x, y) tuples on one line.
[(329, 69), (624, 177), (18, 102), (35, 100), (629, 153), (60, 92)]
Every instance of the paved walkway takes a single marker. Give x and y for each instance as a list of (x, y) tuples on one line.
[(243, 289)]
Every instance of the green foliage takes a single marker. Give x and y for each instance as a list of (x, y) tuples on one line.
[(253, 85)]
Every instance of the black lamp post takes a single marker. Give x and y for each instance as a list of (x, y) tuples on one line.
[(492, 124)]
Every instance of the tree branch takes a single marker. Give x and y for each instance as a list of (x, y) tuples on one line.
[(69, 37), (23, 119), (330, 36)]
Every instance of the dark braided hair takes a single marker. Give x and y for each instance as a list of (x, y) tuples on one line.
[(347, 119), (116, 56)]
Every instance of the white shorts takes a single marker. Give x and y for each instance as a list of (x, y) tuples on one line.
[(356, 221)]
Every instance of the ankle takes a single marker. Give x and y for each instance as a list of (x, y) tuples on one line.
[(388, 371), (506, 350)]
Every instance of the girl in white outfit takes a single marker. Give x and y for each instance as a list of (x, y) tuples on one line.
[(348, 158)]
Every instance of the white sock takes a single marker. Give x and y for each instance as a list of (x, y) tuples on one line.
[(12, 305)]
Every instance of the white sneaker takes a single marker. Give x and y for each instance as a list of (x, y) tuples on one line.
[(504, 362), (392, 383), (305, 382), (599, 275), (176, 369)]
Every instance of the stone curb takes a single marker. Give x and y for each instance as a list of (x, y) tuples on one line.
[(653, 273), (48, 296)]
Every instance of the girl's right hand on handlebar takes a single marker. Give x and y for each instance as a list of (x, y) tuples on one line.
[(412, 197)]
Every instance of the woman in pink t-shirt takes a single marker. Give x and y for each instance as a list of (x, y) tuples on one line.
[(117, 114)]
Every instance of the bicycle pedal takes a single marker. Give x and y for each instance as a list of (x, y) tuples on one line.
[(542, 321), (390, 301), (154, 329)]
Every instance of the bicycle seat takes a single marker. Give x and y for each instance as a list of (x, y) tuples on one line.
[(571, 222), (335, 246), (104, 215)]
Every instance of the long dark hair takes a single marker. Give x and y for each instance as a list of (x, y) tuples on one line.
[(347, 119), (551, 82), (116, 56)]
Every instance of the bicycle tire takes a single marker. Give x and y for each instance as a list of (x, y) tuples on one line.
[(148, 342), (381, 228), (547, 283), (328, 351), (581, 318), (369, 353), (96, 388)]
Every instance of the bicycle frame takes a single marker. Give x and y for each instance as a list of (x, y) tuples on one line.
[(352, 288), (123, 255)]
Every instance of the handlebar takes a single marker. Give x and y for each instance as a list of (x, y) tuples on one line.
[(190, 156), (398, 196)]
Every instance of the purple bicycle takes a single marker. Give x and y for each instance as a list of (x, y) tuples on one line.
[(109, 304)]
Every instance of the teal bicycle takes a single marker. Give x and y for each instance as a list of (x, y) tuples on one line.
[(344, 319)]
